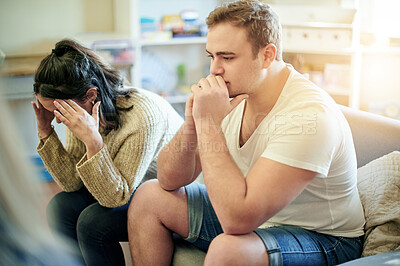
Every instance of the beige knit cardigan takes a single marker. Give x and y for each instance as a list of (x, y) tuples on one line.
[(129, 155)]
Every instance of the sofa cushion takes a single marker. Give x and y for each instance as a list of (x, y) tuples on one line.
[(187, 254), (379, 188)]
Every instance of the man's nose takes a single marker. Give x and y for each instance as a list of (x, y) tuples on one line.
[(216, 68)]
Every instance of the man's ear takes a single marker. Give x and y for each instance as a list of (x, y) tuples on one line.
[(269, 54), (91, 94)]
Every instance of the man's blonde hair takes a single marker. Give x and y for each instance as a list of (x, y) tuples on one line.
[(260, 21)]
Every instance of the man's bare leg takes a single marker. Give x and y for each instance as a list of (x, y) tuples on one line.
[(237, 250), (152, 217)]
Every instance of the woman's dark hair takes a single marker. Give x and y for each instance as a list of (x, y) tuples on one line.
[(71, 69)]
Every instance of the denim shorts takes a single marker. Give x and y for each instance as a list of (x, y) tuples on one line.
[(285, 244)]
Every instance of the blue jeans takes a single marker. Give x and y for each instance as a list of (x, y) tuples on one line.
[(95, 231), (286, 244)]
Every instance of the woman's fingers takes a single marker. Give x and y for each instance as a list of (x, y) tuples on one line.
[(68, 108), (61, 110), (95, 111), (72, 104), (41, 112), (65, 112), (35, 108), (40, 106), (75, 117), (61, 118)]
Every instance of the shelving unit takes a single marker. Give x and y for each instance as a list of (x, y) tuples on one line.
[(316, 63), (168, 52), (321, 40), (167, 55)]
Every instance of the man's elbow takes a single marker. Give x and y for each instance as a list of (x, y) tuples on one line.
[(170, 180), (165, 176), (167, 186), (238, 226), (165, 182)]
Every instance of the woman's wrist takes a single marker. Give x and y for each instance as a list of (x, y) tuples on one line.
[(43, 136), (94, 147)]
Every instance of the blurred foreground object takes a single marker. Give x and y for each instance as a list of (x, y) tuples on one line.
[(24, 237)]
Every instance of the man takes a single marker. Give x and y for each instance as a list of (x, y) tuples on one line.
[(275, 152)]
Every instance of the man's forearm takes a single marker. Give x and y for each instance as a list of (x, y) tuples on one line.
[(225, 183), (177, 161)]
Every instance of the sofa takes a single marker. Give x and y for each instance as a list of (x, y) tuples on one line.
[(374, 138)]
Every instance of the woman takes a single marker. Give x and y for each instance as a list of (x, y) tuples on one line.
[(113, 139)]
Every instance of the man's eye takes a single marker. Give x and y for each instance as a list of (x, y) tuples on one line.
[(210, 56), (228, 58)]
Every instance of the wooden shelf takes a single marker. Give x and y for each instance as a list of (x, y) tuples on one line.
[(175, 41), (343, 51), (318, 25), (381, 50), (20, 66)]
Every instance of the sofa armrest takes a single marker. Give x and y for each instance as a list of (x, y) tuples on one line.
[(389, 258)]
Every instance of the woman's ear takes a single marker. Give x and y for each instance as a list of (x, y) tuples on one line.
[(269, 54), (91, 94)]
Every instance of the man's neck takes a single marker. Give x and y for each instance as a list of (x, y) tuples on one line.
[(259, 104), (267, 95)]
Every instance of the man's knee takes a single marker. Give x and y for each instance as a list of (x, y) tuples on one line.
[(145, 198), (225, 250), (222, 243), (152, 205), (236, 250), (220, 251)]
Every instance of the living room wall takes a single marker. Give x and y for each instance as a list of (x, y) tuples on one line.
[(31, 27)]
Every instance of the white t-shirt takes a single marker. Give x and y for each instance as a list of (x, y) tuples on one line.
[(306, 129)]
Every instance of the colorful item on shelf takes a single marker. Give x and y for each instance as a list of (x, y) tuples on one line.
[(173, 23), (185, 24), (115, 51), (148, 25)]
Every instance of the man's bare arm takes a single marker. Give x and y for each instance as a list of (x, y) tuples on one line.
[(178, 163)]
